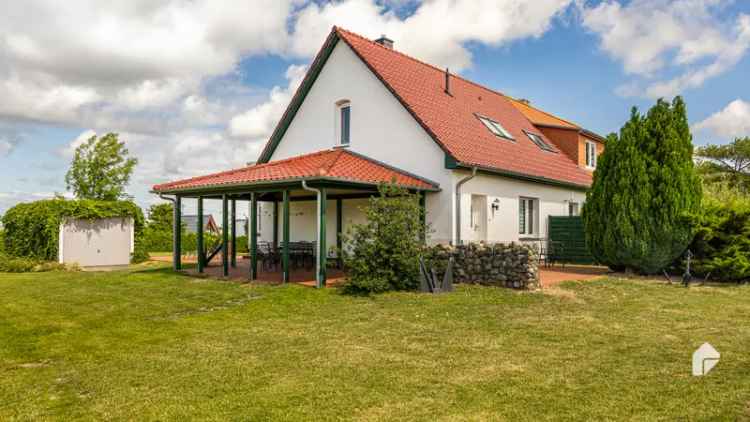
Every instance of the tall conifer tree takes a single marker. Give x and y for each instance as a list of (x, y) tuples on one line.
[(644, 188)]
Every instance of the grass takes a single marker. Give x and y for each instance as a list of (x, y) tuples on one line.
[(152, 345)]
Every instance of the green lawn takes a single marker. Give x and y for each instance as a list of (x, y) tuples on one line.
[(149, 344)]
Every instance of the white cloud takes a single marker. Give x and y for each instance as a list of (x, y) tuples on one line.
[(69, 150), (10, 137), (733, 121), (5, 147), (436, 32), (653, 37), (165, 74), (259, 121), (65, 62), (9, 199)]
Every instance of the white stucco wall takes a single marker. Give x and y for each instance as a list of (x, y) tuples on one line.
[(502, 225), (304, 223), (96, 243), (381, 129)]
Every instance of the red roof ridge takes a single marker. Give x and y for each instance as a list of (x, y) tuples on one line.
[(545, 112), (239, 169), (321, 164), (334, 159), (346, 31)]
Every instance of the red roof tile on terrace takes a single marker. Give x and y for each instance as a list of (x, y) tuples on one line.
[(336, 164)]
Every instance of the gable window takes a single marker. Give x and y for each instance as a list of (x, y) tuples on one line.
[(495, 127), (343, 122), (590, 154), (539, 141), (528, 215), (573, 209)]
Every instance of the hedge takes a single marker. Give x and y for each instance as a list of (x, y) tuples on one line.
[(721, 246), (31, 229)]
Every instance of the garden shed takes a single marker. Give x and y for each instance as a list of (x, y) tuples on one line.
[(102, 242)]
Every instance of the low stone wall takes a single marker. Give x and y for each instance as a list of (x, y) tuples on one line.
[(508, 265)]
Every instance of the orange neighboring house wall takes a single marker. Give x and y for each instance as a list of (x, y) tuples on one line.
[(572, 143)]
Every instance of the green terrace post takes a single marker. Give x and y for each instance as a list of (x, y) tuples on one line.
[(423, 214), (199, 235), (275, 223), (253, 233), (285, 240), (224, 235), (339, 227), (233, 226), (177, 234), (322, 249)]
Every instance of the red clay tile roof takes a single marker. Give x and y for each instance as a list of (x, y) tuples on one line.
[(336, 164), (451, 119), (541, 117)]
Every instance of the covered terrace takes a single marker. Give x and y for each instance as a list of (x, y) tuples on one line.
[(335, 175)]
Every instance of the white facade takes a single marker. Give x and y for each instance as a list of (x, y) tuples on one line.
[(501, 222), (382, 129), (303, 220)]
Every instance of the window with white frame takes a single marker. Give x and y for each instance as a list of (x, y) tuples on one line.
[(590, 154), (495, 127), (574, 209), (528, 216), (343, 122), (540, 142)]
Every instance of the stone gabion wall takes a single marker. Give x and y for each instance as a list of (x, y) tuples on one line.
[(501, 264)]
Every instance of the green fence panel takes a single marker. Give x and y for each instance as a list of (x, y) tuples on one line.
[(569, 232)]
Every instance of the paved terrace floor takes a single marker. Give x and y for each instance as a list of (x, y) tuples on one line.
[(549, 276)]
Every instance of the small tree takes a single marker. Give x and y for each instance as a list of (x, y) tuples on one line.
[(727, 163), (645, 188), (100, 169), (383, 253), (160, 216)]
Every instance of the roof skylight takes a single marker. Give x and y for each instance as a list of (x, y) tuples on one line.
[(495, 127), (539, 141)]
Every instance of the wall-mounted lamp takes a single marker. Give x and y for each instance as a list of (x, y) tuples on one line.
[(495, 206)]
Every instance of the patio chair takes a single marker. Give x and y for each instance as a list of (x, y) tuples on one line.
[(551, 252), (269, 255)]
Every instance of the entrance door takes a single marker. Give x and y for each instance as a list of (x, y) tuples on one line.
[(479, 217)]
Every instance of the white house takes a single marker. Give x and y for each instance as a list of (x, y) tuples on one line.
[(490, 167)]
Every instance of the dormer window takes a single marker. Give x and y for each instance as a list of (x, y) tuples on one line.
[(539, 141), (590, 154), (343, 122), (495, 127)]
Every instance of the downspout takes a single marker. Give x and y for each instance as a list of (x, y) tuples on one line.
[(317, 244), (174, 232), (458, 203)]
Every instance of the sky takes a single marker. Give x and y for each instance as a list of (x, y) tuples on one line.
[(197, 86)]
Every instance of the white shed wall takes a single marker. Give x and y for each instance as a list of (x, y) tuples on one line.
[(96, 243)]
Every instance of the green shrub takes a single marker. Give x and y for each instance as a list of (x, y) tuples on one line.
[(25, 265), (31, 229), (242, 244), (721, 246), (645, 188), (383, 253)]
